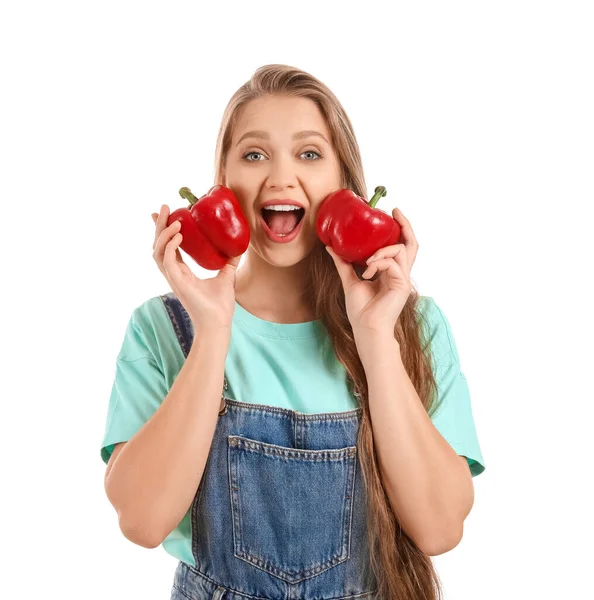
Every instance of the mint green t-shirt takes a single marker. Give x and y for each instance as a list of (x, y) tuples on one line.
[(278, 364)]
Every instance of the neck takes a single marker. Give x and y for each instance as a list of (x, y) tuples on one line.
[(273, 293)]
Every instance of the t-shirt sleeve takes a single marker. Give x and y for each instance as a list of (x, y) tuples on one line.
[(139, 386), (452, 416)]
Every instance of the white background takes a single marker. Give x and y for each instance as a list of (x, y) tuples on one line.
[(478, 119)]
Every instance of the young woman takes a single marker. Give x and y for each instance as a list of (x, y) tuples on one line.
[(339, 457)]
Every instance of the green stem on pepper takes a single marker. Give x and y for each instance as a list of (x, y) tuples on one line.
[(380, 191), (187, 194)]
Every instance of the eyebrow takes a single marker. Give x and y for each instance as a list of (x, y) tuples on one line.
[(266, 136)]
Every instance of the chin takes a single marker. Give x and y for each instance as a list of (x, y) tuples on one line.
[(287, 256)]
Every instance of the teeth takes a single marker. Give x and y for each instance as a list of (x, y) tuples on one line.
[(282, 207)]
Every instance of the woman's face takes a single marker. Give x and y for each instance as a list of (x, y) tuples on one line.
[(279, 162)]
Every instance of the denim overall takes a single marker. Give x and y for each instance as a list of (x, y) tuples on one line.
[(280, 511)]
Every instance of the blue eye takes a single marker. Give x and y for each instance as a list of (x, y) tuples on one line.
[(306, 152), (246, 155), (313, 152)]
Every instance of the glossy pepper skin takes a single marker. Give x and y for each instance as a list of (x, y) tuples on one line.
[(353, 228), (214, 228)]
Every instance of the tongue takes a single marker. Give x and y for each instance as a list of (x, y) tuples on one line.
[(282, 222)]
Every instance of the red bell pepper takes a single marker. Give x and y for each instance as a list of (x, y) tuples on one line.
[(353, 228), (213, 227)]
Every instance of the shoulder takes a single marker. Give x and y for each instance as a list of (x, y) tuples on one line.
[(437, 331), (147, 324), (151, 312)]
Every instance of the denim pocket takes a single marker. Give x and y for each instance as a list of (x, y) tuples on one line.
[(291, 507)]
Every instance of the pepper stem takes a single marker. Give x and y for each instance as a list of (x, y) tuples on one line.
[(380, 191), (187, 194)]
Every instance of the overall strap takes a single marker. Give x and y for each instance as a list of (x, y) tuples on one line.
[(182, 325), (180, 319)]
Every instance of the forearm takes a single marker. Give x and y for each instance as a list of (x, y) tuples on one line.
[(155, 476), (429, 486)]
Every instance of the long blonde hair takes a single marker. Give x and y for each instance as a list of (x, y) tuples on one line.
[(402, 571)]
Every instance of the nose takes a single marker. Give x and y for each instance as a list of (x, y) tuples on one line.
[(282, 174)]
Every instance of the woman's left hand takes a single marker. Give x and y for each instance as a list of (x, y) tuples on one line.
[(373, 307)]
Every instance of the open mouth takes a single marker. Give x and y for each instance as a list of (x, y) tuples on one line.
[(282, 222)]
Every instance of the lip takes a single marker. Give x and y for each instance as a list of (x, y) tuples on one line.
[(281, 239)]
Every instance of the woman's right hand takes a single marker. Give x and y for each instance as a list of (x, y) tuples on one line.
[(209, 302)]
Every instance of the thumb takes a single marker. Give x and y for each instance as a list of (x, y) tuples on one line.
[(344, 268), (230, 268)]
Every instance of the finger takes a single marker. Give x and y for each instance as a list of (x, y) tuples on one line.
[(404, 223), (345, 270), (387, 252), (399, 216), (161, 222), (164, 239), (169, 256), (386, 264), (399, 255)]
